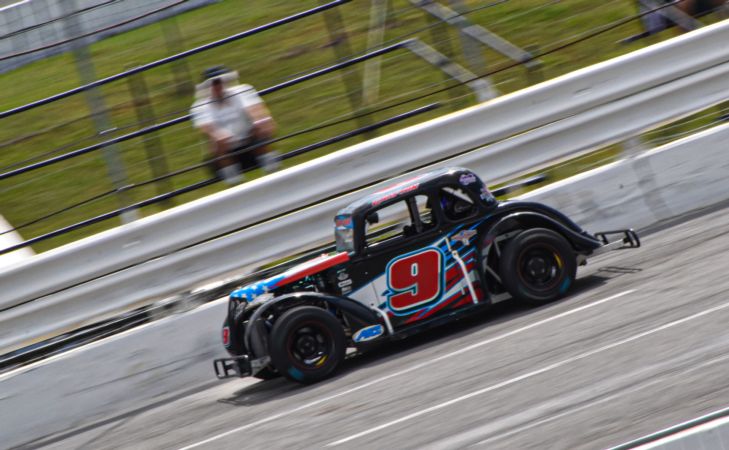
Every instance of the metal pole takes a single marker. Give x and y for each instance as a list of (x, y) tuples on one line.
[(180, 68), (471, 48), (97, 107), (18, 42), (450, 69), (477, 32), (375, 37), (169, 59), (632, 147), (535, 73), (152, 144), (440, 36), (350, 78)]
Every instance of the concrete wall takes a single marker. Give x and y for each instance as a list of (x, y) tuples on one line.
[(18, 19), (648, 189)]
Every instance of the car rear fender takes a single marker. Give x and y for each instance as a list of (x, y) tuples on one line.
[(529, 219), (356, 314)]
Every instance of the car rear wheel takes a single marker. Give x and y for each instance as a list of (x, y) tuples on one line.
[(538, 266), (307, 344)]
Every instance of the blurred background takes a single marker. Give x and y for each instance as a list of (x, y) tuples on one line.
[(78, 156)]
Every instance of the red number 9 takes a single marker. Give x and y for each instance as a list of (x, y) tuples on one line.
[(414, 280)]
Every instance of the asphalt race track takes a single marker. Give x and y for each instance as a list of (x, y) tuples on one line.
[(641, 344)]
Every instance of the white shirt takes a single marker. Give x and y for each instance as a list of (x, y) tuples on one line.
[(229, 114)]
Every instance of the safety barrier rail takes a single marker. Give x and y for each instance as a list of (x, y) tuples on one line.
[(199, 185), (703, 432)]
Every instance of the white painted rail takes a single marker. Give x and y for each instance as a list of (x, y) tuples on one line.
[(67, 287)]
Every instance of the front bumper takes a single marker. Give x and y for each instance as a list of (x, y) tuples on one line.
[(239, 366)]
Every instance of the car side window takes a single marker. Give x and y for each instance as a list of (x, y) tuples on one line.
[(386, 224), (456, 204), (407, 217), (425, 212)]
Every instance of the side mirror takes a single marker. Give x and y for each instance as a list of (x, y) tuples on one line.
[(372, 218)]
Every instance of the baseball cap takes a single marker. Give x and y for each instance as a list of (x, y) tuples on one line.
[(215, 71)]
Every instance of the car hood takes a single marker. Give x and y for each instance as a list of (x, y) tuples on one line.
[(308, 268)]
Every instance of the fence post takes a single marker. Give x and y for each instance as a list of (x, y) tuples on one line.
[(535, 72), (180, 68), (440, 36), (375, 37), (472, 52), (152, 143), (87, 74), (342, 50)]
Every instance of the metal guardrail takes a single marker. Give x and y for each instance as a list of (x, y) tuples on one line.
[(229, 230), (674, 430), (186, 117), (413, 45), (92, 33), (201, 184), (172, 58)]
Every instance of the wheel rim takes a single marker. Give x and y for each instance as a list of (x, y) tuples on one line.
[(310, 345), (540, 267)]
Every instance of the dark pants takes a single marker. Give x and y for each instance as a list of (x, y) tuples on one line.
[(245, 155)]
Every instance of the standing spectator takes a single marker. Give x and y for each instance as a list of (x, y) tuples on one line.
[(235, 121)]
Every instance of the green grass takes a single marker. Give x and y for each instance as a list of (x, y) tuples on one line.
[(262, 60)]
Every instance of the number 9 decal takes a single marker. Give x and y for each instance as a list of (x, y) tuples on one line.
[(414, 280)]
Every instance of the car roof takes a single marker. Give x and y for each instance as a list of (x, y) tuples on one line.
[(438, 177)]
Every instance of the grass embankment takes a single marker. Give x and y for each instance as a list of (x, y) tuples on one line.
[(262, 60)]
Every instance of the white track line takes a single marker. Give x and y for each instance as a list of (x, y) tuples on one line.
[(408, 370), (528, 375)]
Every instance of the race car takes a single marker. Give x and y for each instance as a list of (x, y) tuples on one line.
[(413, 255)]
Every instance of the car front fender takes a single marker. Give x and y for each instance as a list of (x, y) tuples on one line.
[(357, 315)]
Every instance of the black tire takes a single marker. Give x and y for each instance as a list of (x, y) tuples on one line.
[(537, 266), (307, 344), (237, 348)]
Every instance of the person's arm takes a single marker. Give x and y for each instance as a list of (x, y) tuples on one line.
[(263, 124), (215, 134)]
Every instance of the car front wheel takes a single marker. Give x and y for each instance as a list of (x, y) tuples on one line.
[(307, 344)]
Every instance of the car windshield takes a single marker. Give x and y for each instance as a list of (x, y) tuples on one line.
[(344, 233)]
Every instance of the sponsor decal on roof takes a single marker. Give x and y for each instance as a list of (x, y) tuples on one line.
[(394, 194), (467, 178)]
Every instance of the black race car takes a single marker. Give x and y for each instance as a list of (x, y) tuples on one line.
[(421, 252)]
